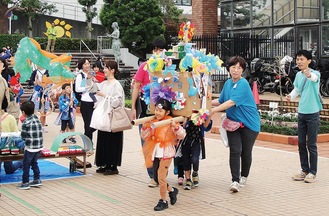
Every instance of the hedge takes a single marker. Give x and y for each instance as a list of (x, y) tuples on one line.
[(62, 44)]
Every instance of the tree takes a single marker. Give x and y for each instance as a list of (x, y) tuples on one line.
[(31, 8), (170, 14), (90, 12), (139, 21)]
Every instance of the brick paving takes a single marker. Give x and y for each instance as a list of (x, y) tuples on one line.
[(270, 190)]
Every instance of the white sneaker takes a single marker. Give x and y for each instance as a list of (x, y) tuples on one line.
[(299, 176), (235, 187), (152, 183), (243, 181), (310, 178)]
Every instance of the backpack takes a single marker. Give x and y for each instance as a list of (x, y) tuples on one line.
[(77, 94)]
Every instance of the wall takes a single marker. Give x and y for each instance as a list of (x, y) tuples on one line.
[(39, 26)]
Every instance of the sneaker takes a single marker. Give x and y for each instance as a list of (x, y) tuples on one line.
[(173, 196), (243, 181), (195, 179), (188, 184), (73, 140), (299, 176), (162, 205), (36, 183), (64, 141), (152, 183), (180, 181), (24, 186), (235, 187), (310, 178)]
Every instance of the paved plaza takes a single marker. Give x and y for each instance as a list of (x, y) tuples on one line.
[(269, 190)]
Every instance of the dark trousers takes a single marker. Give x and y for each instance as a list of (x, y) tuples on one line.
[(241, 143), (87, 109), (11, 167), (30, 159), (191, 155), (308, 125)]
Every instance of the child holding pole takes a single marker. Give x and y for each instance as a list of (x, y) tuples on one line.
[(159, 149)]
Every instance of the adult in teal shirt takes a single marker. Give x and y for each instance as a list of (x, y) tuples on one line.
[(238, 101), (306, 85)]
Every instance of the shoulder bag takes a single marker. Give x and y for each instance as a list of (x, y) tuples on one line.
[(120, 119)]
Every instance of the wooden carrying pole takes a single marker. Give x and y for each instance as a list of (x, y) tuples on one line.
[(165, 122), (142, 120)]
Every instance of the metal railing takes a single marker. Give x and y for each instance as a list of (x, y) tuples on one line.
[(103, 42), (82, 42)]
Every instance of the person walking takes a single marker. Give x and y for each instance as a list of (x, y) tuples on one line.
[(52, 34), (237, 99), (306, 84), (159, 149), (138, 106)]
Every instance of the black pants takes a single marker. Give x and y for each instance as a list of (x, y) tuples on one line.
[(87, 109), (241, 143)]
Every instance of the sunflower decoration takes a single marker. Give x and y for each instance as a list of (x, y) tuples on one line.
[(62, 28), (186, 32)]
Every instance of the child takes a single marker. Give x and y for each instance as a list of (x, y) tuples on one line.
[(99, 74), (8, 124), (67, 104), (159, 147), (92, 87), (193, 147), (32, 135)]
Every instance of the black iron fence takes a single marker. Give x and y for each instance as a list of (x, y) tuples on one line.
[(247, 46)]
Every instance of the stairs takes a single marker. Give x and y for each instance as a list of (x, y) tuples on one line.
[(126, 72)]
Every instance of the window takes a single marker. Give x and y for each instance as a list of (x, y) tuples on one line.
[(283, 12), (241, 14), (261, 13), (325, 40), (308, 11)]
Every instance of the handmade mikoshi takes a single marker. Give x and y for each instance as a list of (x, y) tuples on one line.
[(165, 122), (142, 120), (186, 84)]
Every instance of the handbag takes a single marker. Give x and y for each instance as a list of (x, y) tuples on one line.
[(230, 125), (100, 119), (120, 119)]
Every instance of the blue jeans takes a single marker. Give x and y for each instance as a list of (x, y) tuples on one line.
[(308, 125), (241, 143), (30, 159), (149, 170), (11, 167)]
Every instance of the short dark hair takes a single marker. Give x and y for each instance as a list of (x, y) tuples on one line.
[(81, 62), (98, 64), (112, 65), (65, 85), (234, 60), (166, 105), (27, 107), (5, 64), (306, 53), (159, 44)]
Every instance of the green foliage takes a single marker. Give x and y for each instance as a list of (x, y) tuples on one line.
[(32, 8), (88, 9), (66, 44), (278, 129), (128, 103), (139, 21)]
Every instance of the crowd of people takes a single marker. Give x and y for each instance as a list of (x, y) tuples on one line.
[(161, 145)]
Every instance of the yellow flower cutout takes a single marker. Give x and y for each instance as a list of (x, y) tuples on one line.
[(62, 28)]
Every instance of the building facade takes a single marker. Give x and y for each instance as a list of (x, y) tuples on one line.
[(306, 21)]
